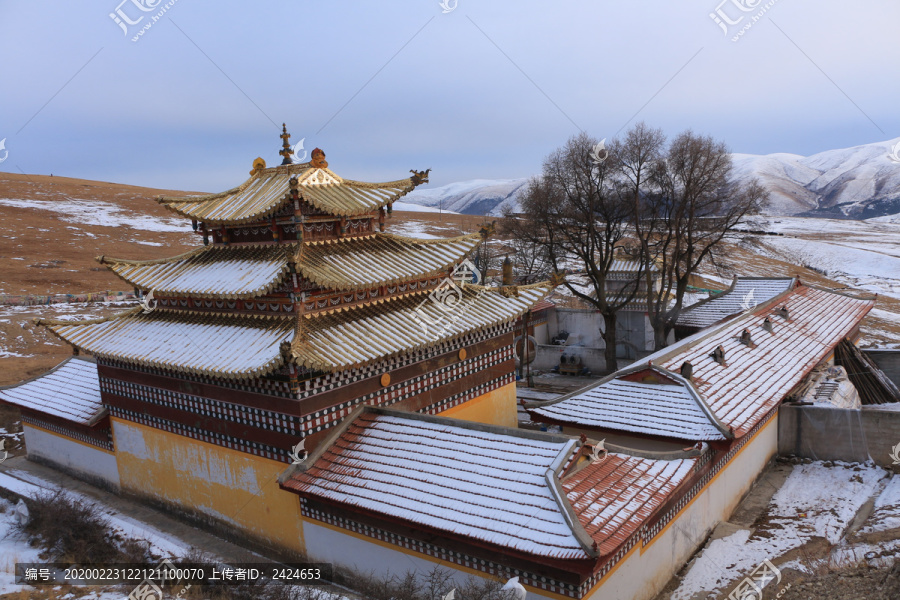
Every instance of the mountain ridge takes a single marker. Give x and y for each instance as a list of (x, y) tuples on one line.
[(859, 182)]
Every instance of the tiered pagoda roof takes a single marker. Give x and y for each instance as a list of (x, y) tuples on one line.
[(361, 336), (268, 190), (296, 274), (230, 272)]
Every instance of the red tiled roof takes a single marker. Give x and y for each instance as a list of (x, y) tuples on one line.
[(542, 305), (756, 378), (448, 475), (489, 484), (614, 497)]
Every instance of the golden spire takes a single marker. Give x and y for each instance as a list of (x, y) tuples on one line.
[(286, 151)]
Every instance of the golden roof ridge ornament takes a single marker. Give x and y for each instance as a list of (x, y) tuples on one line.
[(419, 177), (286, 151), (317, 159)]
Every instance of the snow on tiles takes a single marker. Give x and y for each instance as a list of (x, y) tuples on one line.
[(480, 484), (816, 501)]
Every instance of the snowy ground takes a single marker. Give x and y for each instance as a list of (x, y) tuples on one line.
[(409, 207), (816, 501), (17, 331), (14, 550), (98, 212), (861, 254)]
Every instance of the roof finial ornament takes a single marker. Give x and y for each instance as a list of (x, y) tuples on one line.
[(286, 151), (317, 159), (419, 177)]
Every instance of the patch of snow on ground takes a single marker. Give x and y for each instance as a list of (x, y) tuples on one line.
[(97, 212), (830, 497), (408, 207), (414, 229), (886, 512), (13, 549)]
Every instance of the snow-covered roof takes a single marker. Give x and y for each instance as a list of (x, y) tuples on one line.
[(381, 259), (628, 265), (531, 492), (744, 293), (359, 336), (738, 395), (70, 391), (614, 497), (757, 377), (218, 271), (471, 481), (245, 346), (225, 346), (660, 409), (268, 190)]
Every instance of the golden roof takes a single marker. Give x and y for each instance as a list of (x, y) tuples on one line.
[(381, 259), (229, 272), (251, 271), (359, 336), (268, 189), (218, 345)]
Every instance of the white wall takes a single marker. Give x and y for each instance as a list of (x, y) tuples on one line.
[(584, 326), (324, 544), (643, 574), (79, 459)]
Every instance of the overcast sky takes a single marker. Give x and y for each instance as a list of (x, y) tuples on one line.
[(485, 90)]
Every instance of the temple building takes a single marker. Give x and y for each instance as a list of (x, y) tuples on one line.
[(249, 350)]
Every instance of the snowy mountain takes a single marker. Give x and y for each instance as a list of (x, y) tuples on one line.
[(858, 183), (475, 197)]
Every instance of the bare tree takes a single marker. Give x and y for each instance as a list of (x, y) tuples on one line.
[(573, 212), (529, 258), (681, 214), (486, 257)]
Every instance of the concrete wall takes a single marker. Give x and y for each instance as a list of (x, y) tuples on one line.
[(84, 461), (823, 433), (888, 361), (647, 569), (584, 326)]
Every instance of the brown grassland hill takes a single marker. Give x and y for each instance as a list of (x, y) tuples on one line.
[(54, 227)]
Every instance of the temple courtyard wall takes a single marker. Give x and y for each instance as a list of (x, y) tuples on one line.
[(217, 485), (85, 461), (648, 567)]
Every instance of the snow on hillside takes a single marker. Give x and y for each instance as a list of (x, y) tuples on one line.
[(98, 212), (410, 207), (860, 254), (475, 197), (859, 183)]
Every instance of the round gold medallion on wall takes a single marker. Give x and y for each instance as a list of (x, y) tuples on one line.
[(462, 354), (385, 379)]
